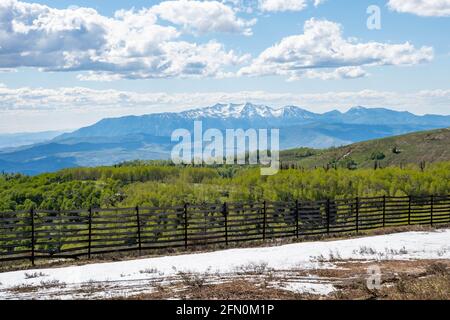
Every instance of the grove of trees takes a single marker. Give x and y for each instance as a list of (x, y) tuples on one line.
[(161, 184)]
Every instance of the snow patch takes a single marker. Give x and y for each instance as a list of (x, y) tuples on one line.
[(317, 288)]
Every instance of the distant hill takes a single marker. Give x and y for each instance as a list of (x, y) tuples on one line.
[(147, 137), (427, 146), (13, 140)]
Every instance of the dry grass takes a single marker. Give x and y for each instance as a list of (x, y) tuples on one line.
[(433, 287), (422, 279), (52, 284), (234, 290), (402, 280)]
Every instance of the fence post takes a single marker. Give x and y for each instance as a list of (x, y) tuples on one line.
[(328, 216), (264, 219), (384, 211), (357, 214), (225, 216), (409, 210), (33, 240), (432, 209), (297, 212), (185, 210), (90, 232), (138, 222)]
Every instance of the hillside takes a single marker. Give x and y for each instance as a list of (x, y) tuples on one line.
[(427, 146)]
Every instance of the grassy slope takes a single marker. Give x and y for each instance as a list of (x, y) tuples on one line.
[(428, 146)]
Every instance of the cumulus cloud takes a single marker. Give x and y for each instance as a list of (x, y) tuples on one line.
[(130, 45), (282, 5), (133, 44), (425, 8), (322, 52), (203, 16), (181, 59)]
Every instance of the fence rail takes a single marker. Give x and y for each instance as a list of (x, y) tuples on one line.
[(38, 234)]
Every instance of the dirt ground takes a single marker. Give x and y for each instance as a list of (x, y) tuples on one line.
[(400, 280)]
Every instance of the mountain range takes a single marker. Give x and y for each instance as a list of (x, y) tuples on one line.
[(114, 140)]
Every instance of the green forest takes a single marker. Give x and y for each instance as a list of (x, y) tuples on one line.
[(163, 184)]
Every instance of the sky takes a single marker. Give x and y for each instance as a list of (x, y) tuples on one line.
[(66, 64)]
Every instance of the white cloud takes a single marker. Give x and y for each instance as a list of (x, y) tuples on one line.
[(318, 2), (203, 16), (74, 98), (322, 52), (180, 60), (282, 5), (425, 8), (133, 45), (285, 5), (266, 6), (338, 73), (130, 45)]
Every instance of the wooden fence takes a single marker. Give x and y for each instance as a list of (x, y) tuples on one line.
[(38, 234)]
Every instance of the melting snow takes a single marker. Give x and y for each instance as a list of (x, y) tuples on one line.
[(135, 276)]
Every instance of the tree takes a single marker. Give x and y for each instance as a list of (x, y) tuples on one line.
[(377, 155)]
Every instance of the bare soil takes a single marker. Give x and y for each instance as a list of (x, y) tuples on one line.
[(400, 280)]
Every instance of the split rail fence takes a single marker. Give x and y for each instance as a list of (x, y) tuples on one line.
[(42, 234)]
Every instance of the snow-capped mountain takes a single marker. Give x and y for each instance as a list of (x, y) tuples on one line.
[(220, 116), (248, 111), (248, 115)]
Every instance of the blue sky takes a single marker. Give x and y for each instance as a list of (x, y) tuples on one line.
[(68, 63)]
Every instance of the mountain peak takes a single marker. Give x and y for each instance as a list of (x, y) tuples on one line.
[(334, 112), (249, 110), (297, 112), (357, 109), (231, 110), (252, 110)]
